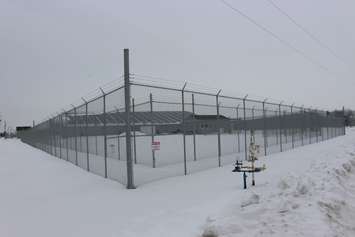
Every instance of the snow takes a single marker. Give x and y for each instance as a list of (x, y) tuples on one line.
[(308, 191)]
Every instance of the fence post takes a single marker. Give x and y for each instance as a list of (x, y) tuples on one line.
[(285, 129), (219, 130), (194, 125), (152, 127), (238, 129), (105, 136), (310, 126), (87, 134), (264, 128), (280, 129), (50, 133), (130, 180), (292, 129), (317, 127), (59, 134), (75, 142), (302, 125), (344, 121), (67, 137), (245, 130), (322, 126), (183, 126), (328, 126), (134, 133), (276, 130), (54, 134)]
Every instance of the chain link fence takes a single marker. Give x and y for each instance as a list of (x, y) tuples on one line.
[(173, 131)]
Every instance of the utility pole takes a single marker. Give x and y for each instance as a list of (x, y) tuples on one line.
[(127, 93)]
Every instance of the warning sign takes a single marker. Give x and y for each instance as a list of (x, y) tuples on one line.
[(155, 145)]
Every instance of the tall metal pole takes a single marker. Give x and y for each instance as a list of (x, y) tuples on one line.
[(60, 134), (219, 130), (96, 149), (327, 126), (105, 136), (264, 128), (302, 126), (344, 121), (130, 181), (280, 130), (87, 134), (245, 130), (285, 129), (194, 126), (276, 130), (54, 136), (183, 127), (317, 125), (310, 125), (67, 138), (292, 128), (238, 129), (152, 127), (76, 142)]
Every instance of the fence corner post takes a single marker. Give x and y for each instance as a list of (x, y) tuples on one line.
[(130, 180)]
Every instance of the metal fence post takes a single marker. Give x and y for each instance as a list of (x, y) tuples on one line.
[(292, 128), (322, 127), (67, 137), (328, 126), (276, 129), (87, 134), (264, 128), (344, 122), (285, 130), (310, 126), (105, 135), (238, 129), (194, 125), (50, 134), (183, 126), (219, 130), (245, 130), (130, 180), (58, 119), (75, 142), (96, 149), (303, 124), (54, 134), (280, 129), (152, 127)]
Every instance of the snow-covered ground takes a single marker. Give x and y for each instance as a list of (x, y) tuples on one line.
[(308, 191)]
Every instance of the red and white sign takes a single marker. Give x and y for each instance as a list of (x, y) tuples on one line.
[(155, 145)]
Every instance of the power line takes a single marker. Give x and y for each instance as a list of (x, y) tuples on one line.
[(306, 31), (275, 36)]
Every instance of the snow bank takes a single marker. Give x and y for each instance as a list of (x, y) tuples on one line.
[(316, 201), (308, 191)]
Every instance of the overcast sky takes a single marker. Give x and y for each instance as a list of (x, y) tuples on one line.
[(54, 52)]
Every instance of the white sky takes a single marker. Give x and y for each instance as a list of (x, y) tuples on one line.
[(54, 52)]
